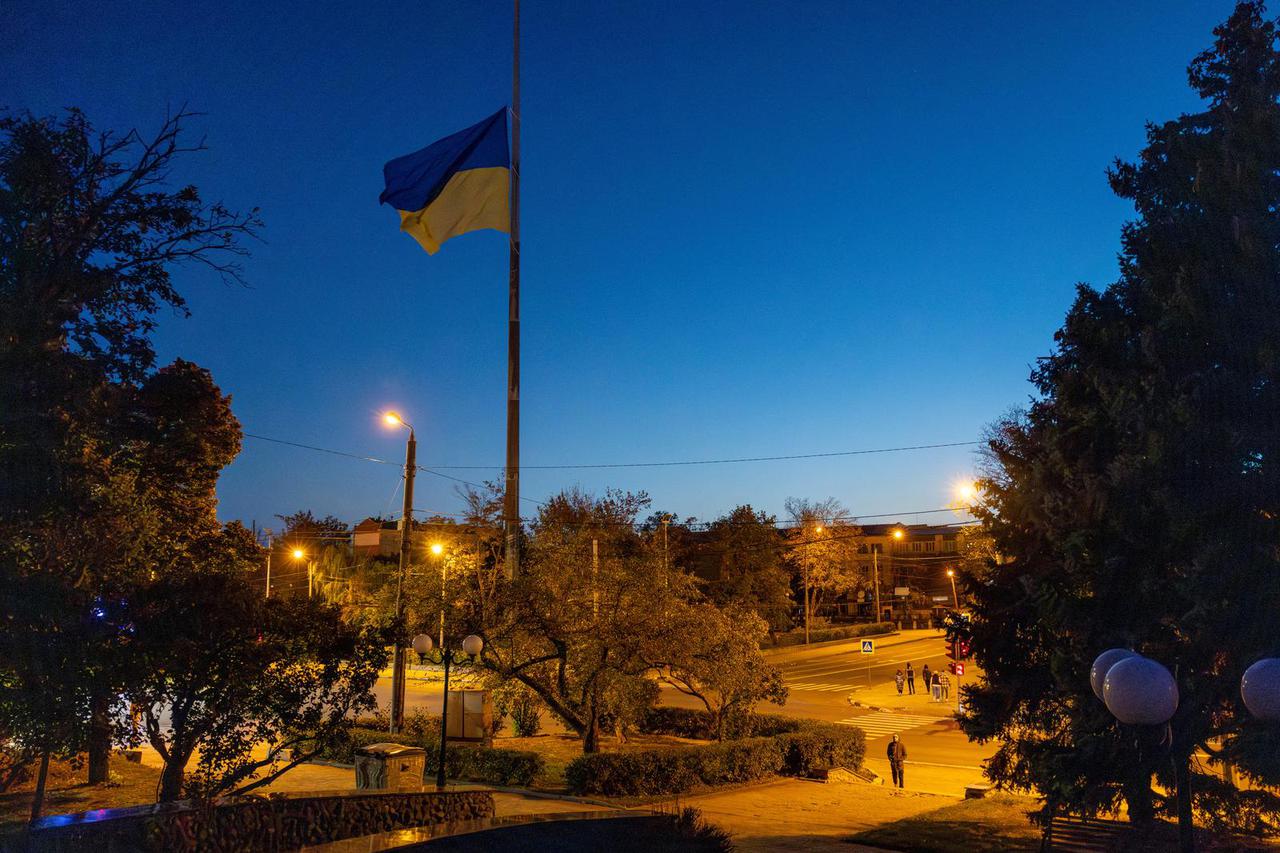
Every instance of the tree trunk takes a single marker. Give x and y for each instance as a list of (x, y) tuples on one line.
[(591, 737), (1186, 821), (42, 776), (1137, 798), (99, 740), (171, 778)]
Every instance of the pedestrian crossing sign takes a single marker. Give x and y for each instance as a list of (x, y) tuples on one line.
[(868, 647)]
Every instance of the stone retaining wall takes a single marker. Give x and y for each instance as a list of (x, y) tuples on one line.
[(274, 824)]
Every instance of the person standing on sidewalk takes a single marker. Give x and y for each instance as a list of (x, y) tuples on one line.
[(928, 677), (911, 680), (898, 681), (897, 758)]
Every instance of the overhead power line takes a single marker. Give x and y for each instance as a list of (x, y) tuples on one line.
[(435, 469)]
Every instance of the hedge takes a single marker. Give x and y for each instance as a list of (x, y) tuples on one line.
[(701, 724), (508, 767), (673, 771), (804, 748), (822, 635)]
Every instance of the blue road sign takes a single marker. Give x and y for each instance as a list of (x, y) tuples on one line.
[(868, 647)]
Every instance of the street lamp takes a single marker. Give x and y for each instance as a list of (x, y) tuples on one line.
[(471, 646), (966, 492), (951, 573), (298, 554), (393, 419), (817, 530), (437, 549)]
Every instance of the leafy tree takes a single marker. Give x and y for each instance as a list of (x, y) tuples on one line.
[(714, 656), (88, 237), (824, 550), (1137, 502), (577, 631), (224, 669), (746, 546)]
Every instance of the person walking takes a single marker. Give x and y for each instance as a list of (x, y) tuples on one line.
[(898, 680), (897, 758), (911, 680), (928, 677), (946, 687)]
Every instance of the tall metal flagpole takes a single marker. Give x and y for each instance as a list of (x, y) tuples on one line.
[(511, 496)]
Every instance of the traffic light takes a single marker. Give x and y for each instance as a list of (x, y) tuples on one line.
[(956, 667), (962, 649), (952, 649)]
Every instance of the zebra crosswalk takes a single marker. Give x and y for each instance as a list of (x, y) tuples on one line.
[(883, 723), (822, 686)]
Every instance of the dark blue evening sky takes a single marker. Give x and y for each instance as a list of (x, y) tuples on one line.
[(749, 228)]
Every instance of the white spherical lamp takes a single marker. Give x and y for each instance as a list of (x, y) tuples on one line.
[(1102, 663), (422, 644), (1260, 689), (472, 645), (1140, 692)]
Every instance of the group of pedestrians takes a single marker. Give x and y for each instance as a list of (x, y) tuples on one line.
[(931, 680)]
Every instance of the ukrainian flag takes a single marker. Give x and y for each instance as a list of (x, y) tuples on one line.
[(461, 183)]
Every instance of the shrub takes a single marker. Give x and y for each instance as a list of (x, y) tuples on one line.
[(344, 750), (793, 638), (673, 771), (506, 767), (820, 746), (777, 745), (421, 727), (701, 724), (526, 715)]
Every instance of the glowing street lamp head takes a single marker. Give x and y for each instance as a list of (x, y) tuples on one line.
[(298, 554), (966, 491), (898, 534), (437, 548), (951, 573), (818, 529), (392, 419)]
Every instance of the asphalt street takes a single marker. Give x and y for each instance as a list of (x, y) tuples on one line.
[(824, 683)]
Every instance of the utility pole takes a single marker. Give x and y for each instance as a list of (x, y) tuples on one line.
[(595, 579), (806, 602), (268, 595), (406, 542), (875, 562), (666, 557)]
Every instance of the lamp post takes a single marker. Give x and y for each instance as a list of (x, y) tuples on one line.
[(406, 540), (897, 535), (951, 573), (298, 554), (817, 531), (471, 646), (436, 550)]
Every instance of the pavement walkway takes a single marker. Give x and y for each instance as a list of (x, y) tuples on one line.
[(814, 817), (885, 696)]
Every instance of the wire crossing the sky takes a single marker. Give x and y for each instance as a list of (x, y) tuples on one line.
[(667, 464)]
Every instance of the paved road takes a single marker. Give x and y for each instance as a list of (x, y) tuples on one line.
[(822, 682)]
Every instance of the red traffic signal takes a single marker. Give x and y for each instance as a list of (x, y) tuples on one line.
[(956, 667), (962, 647)]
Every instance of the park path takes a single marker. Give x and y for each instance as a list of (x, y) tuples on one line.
[(814, 817)]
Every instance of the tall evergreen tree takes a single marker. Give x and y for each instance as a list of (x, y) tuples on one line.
[(1137, 501)]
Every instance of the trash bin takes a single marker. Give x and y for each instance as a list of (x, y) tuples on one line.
[(390, 765)]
